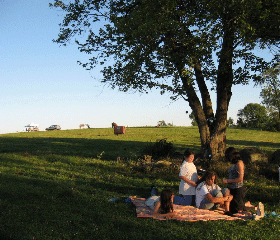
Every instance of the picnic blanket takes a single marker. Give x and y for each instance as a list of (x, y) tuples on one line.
[(186, 213)]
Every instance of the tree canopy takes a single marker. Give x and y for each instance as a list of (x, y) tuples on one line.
[(177, 46), (270, 93), (253, 115)]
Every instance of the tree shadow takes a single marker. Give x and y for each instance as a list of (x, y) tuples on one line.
[(37, 208), (104, 149), (241, 143), (78, 147)]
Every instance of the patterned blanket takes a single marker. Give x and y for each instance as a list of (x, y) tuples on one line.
[(187, 213)]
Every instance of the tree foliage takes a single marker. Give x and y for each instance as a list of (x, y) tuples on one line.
[(177, 46), (230, 122), (253, 115), (162, 123), (192, 117), (270, 93)]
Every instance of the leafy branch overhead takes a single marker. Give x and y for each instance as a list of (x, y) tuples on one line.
[(177, 47)]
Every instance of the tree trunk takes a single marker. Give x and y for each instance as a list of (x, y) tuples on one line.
[(217, 142), (212, 131), (213, 144), (212, 128)]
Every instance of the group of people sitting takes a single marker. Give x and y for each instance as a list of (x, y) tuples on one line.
[(203, 192)]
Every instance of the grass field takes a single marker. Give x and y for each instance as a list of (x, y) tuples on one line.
[(56, 185)]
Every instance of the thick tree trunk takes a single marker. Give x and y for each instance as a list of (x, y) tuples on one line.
[(214, 149), (212, 128), (217, 143), (213, 144), (212, 132)]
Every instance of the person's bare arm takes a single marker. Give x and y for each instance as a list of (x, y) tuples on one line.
[(166, 215), (157, 206), (240, 169), (188, 181), (217, 199)]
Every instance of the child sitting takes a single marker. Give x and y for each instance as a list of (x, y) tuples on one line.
[(210, 196)]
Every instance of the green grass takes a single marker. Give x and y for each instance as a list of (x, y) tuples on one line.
[(56, 185)]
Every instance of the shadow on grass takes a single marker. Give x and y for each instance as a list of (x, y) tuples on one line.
[(89, 148), (79, 147), (96, 148), (41, 209), (242, 143)]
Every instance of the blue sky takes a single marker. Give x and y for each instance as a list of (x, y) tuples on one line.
[(42, 83)]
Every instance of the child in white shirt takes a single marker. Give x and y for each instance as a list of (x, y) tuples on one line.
[(209, 195)]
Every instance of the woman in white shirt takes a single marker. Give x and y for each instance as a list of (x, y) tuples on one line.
[(189, 177)]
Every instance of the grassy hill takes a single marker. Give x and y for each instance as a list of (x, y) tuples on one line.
[(56, 185)]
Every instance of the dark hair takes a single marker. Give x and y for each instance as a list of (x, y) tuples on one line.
[(208, 175), (187, 153), (166, 205), (232, 155)]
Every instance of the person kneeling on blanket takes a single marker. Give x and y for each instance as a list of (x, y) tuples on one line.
[(210, 196)]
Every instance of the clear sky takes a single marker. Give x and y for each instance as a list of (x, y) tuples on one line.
[(42, 83)]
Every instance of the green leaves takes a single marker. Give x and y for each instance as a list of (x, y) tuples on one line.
[(176, 46), (253, 115), (150, 39), (270, 93)]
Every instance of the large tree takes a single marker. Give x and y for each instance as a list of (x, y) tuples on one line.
[(177, 46)]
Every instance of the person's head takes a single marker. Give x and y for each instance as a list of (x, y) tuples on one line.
[(232, 155), (189, 155), (166, 201), (210, 177)]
